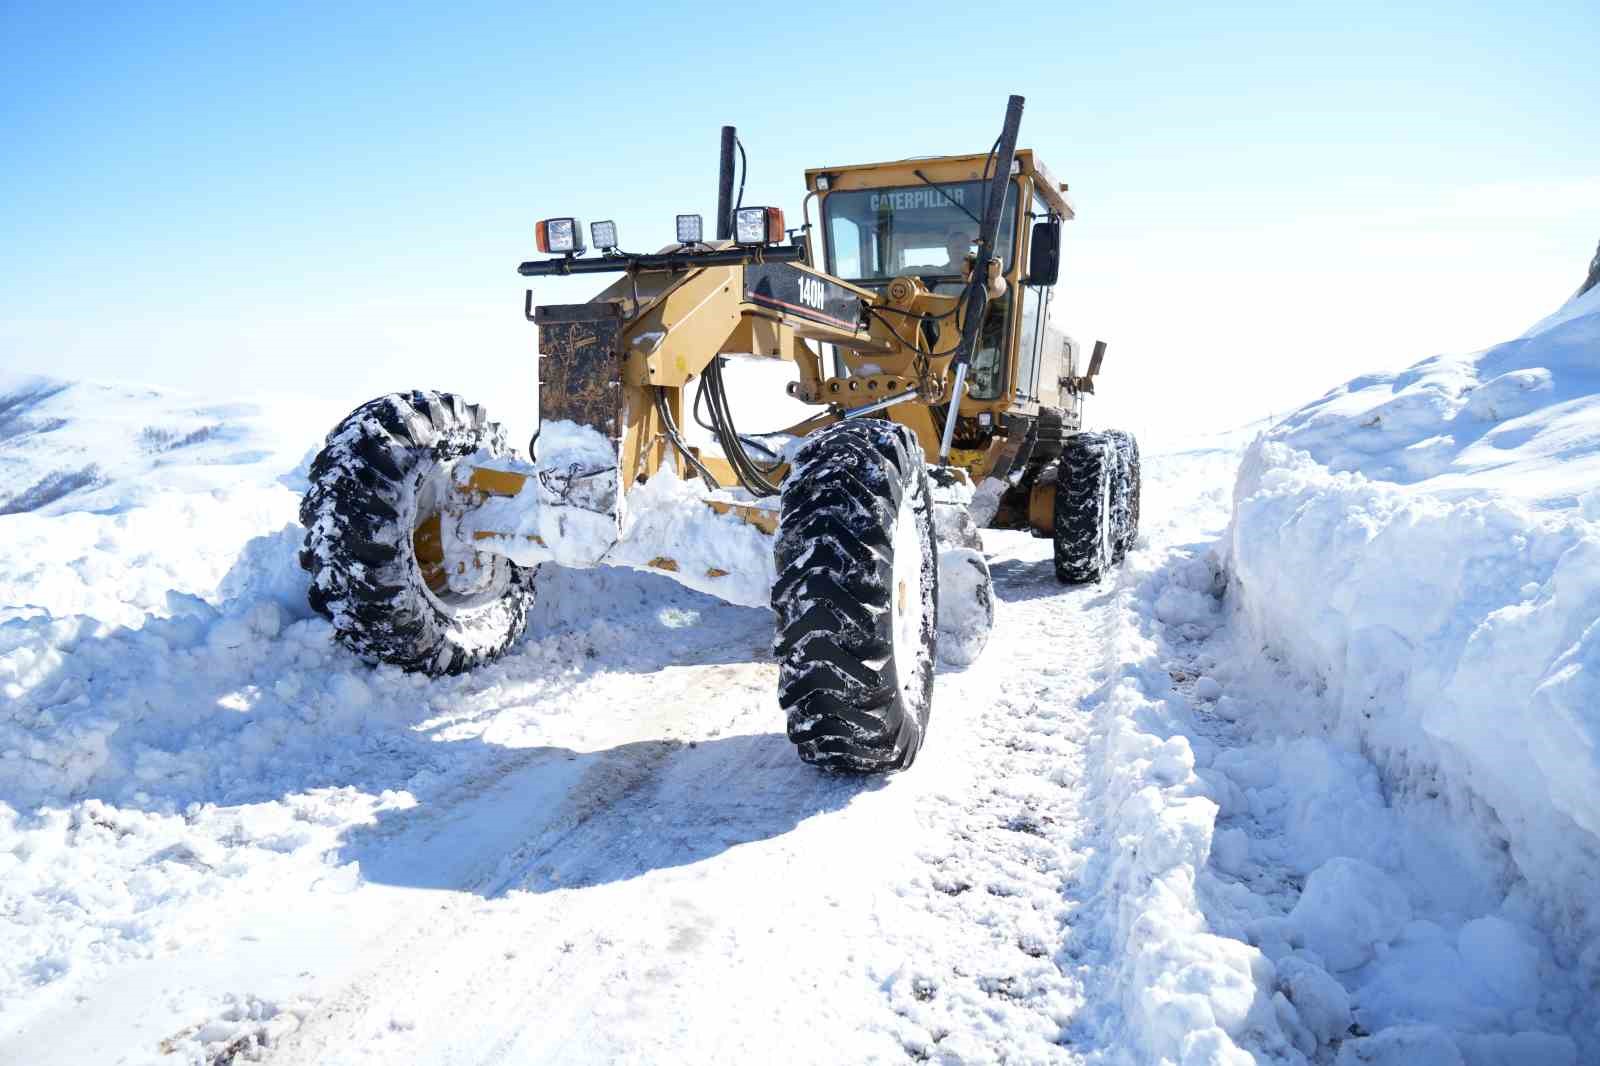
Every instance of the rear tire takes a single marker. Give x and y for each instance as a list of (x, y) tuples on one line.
[(857, 598), (1085, 534), (376, 486), (1125, 504)]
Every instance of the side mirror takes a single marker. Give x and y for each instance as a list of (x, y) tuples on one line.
[(1044, 253)]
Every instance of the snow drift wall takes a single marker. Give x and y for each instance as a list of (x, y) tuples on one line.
[(1427, 545)]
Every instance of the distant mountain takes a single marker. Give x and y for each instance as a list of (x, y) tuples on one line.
[(84, 446)]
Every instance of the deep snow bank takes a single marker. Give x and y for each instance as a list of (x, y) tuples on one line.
[(1427, 546)]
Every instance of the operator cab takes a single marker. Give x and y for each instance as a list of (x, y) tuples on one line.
[(920, 217)]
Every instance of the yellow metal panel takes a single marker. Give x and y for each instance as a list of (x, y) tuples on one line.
[(495, 482), (1042, 506), (939, 168), (763, 518), (675, 339), (489, 534), (428, 545), (977, 462), (919, 420), (720, 468)]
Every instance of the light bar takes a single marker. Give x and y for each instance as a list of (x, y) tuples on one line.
[(559, 236), (604, 235), (690, 229), (758, 225)]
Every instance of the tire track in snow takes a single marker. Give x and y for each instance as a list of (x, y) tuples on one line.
[(727, 900), (1000, 972)]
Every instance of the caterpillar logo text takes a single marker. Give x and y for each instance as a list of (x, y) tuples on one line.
[(917, 199)]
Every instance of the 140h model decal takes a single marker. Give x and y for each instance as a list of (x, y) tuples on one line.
[(811, 293), (787, 288)]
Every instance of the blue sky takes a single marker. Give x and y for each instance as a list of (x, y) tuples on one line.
[(297, 198)]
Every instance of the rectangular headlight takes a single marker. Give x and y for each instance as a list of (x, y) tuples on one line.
[(559, 235), (604, 235), (757, 225), (689, 229)]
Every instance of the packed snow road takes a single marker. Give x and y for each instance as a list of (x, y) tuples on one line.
[(694, 893), (614, 854)]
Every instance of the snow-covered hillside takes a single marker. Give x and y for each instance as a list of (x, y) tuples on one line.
[(115, 497), (1148, 825), (78, 446)]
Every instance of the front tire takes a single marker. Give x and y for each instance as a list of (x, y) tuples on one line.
[(857, 598), (373, 546)]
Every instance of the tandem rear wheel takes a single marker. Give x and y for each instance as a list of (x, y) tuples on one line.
[(1096, 514)]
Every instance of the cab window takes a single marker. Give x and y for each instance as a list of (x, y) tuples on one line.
[(878, 234)]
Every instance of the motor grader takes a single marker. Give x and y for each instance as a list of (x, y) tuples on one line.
[(915, 302)]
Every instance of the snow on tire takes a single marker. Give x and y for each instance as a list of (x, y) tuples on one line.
[(1125, 488), (966, 588), (377, 488), (857, 597), (1085, 531)]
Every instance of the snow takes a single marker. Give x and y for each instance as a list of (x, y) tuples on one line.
[(1347, 908), (566, 513), (1415, 560), (1308, 779), (69, 447), (1518, 422), (719, 554), (966, 598), (175, 485)]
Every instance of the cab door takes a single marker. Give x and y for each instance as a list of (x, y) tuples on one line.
[(1035, 311)]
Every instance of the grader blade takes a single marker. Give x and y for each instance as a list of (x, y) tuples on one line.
[(566, 508), (562, 509)]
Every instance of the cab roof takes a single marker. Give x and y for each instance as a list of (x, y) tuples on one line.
[(940, 168)]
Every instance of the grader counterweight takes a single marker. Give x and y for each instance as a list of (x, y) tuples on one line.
[(917, 311)]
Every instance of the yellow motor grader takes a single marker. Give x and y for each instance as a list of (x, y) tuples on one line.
[(915, 301)]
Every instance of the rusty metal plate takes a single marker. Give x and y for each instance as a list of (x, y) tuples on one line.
[(580, 365)]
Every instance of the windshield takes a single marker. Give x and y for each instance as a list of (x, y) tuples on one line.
[(877, 234)]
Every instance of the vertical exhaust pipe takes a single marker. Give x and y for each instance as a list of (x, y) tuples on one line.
[(725, 185)]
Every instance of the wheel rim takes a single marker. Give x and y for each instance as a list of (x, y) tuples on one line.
[(452, 582), (906, 600), (427, 541)]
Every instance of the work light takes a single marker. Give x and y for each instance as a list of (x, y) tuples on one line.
[(689, 229), (604, 235), (562, 235), (757, 225)]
